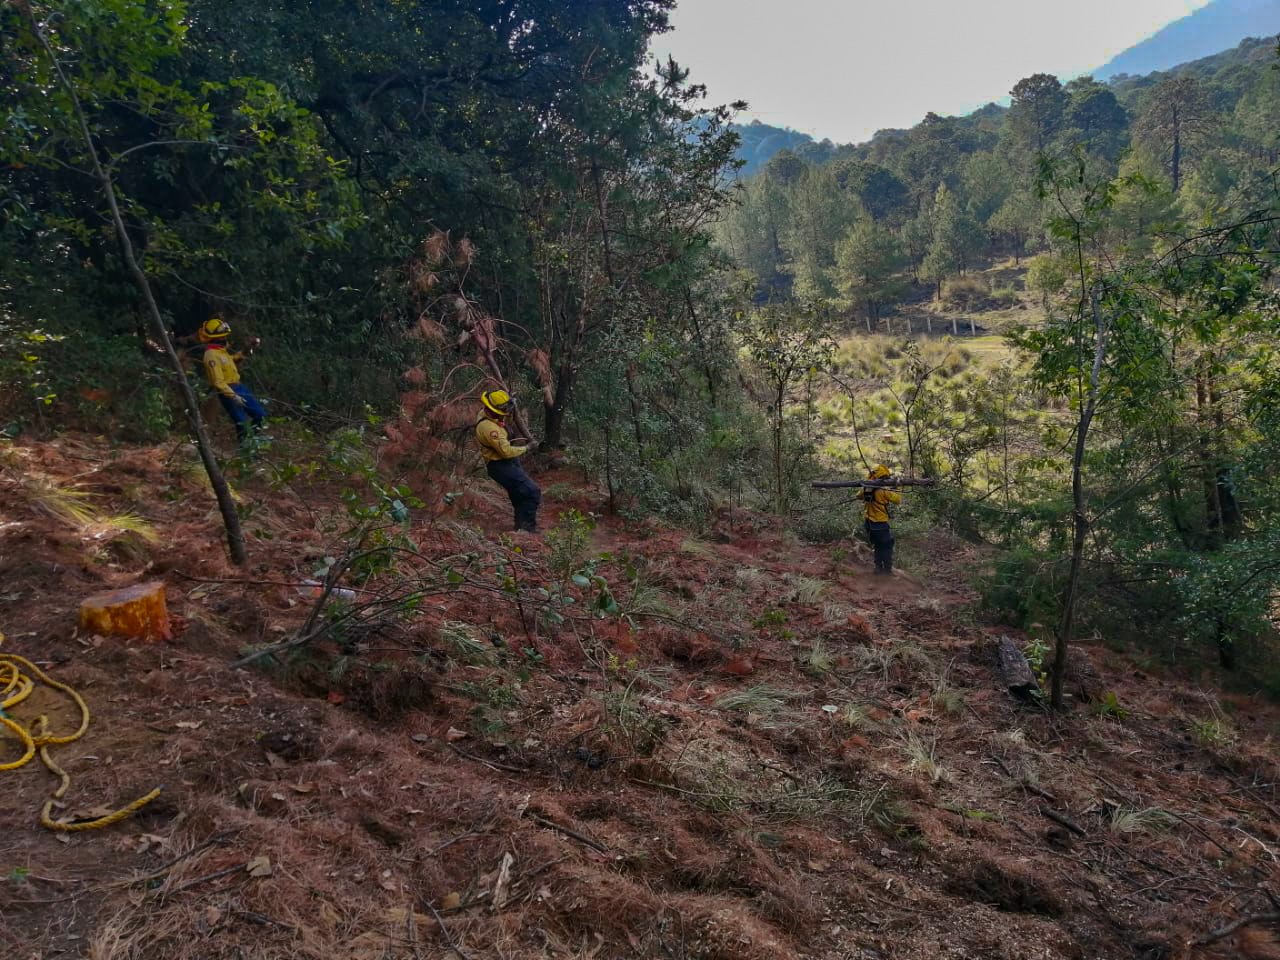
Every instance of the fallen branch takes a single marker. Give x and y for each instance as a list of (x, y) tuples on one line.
[(568, 832), (1223, 932), (162, 870), (263, 920), (1042, 794), (1227, 851), (1061, 820), (450, 843), (444, 931), (491, 764), (205, 879)]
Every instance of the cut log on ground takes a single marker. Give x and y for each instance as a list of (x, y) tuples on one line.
[(136, 612), (1017, 673)]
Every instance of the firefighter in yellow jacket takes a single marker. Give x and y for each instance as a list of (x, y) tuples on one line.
[(875, 512), (502, 460), (220, 369)]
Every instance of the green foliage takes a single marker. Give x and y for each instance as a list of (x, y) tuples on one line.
[(1047, 275), (868, 262), (1109, 706), (956, 238), (788, 348), (1024, 587), (568, 542)]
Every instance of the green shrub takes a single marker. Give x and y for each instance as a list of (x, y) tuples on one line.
[(1024, 588), (967, 291), (827, 525)]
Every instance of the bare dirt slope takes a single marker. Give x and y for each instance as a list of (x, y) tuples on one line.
[(778, 756)]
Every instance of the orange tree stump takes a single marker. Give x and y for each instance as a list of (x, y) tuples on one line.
[(137, 612)]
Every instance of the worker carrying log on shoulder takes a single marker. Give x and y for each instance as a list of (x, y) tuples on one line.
[(502, 460), (878, 494), (876, 503), (224, 376)]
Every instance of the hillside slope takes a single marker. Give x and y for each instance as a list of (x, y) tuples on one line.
[(1217, 26), (775, 755)]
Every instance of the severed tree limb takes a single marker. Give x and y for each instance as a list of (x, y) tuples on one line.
[(444, 931), (568, 832), (1224, 932), (1058, 818), (106, 183)]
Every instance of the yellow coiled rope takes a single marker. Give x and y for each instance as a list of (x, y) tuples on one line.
[(18, 677)]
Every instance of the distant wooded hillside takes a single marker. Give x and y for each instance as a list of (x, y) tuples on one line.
[(1217, 26)]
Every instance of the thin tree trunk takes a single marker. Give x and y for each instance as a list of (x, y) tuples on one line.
[(779, 399), (635, 409), (1177, 154), (565, 377), (1080, 522), (226, 502), (1208, 472), (707, 370), (608, 466), (1226, 502)]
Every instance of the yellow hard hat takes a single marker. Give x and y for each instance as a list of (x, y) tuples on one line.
[(879, 472), (497, 402), (215, 328)]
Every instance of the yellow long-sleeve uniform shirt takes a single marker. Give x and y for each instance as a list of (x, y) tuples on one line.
[(220, 369), (494, 443), (876, 504)]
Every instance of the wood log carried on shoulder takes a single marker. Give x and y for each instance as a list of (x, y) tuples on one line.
[(887, 482)]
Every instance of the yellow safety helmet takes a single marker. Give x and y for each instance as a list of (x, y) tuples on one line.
[(497, 402), (879, 472), (215, 328)]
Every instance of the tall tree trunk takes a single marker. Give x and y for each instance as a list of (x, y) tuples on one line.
[(779, 399), (555, 411), (1208, 469), (1177, 153), (708, 371), (1228, 506), (221, 491), (608, 466), (1080, 521), (565, 377), (634, 398)]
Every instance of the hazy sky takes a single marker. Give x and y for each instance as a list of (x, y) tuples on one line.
[(846, 68)]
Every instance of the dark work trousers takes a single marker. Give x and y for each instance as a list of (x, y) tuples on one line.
[(881, 537), (524, 493), (242, 416)]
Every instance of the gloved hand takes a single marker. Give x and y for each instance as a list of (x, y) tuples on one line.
[(236, 399), (531, 445)]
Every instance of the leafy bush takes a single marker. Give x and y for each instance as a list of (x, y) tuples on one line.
[(827, 525), (968, 292), (1004, 296), (1024, 588)]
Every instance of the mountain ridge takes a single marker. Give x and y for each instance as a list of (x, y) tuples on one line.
[(1217, 26)]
